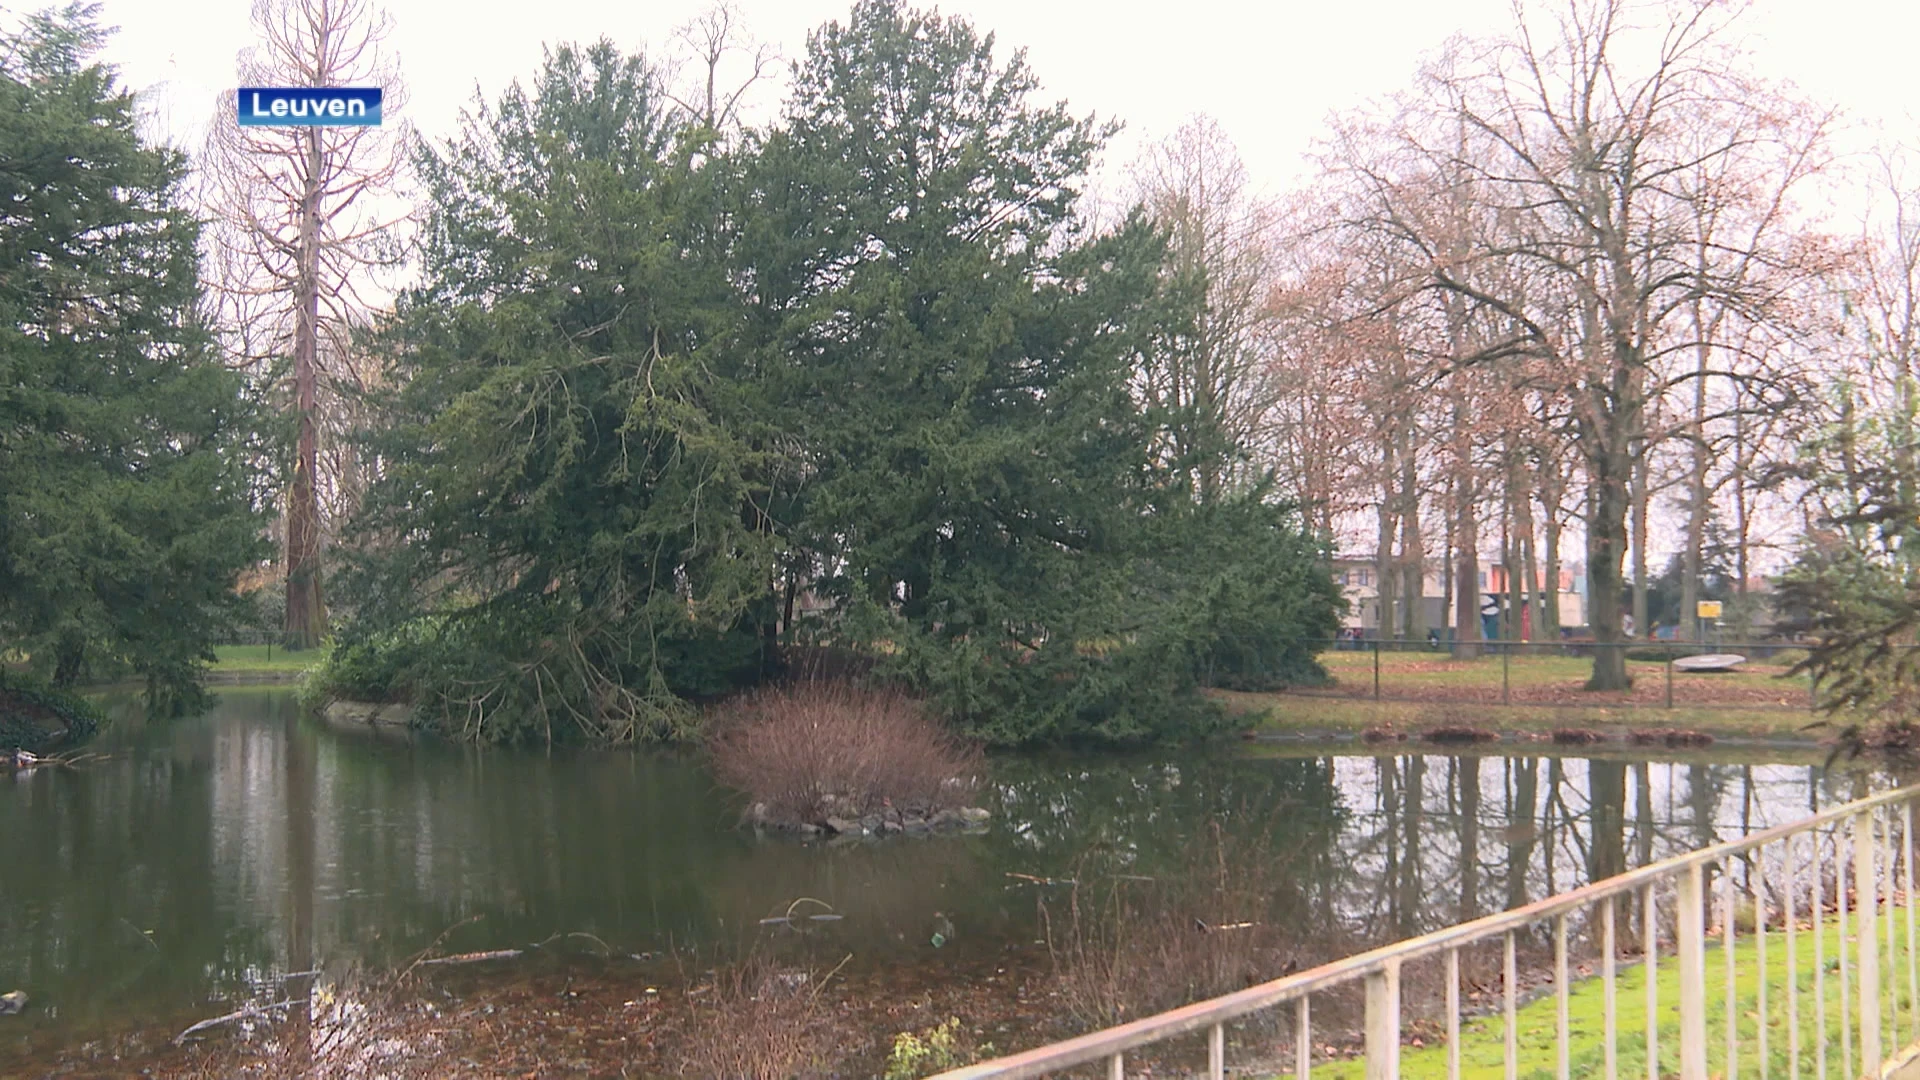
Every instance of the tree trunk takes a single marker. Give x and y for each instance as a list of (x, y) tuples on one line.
[(1608, 473), (69, 660), (1466, 546), (1469, 839), (1413, 548), (1521, 827), (1549, 843), (1411, 864), (306, 605), (1529, 625), (1607, 795), (1510, 558), (1383, 569), (1641, 494), (1703, 802), (1741, 527), (1552, 490), (1446, 565), (1690, 560)]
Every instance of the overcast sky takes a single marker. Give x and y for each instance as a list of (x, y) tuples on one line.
[(1269, 72)]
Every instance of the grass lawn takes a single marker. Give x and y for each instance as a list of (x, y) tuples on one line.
[(1427, 670), (1483, 1040), (262, 660), (1310, 715), (1542, 693)]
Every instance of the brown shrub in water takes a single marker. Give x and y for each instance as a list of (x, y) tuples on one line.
[(809, 751)]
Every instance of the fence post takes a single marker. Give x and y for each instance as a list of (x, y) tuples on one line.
[(1689, 925), (1506, 656), (1866, 904), (1376, 668), (1383, 1022), (1669, 678)]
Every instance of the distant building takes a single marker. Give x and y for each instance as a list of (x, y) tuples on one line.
[(1357, 576)]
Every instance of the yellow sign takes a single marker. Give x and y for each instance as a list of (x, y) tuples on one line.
[(1707, 609)]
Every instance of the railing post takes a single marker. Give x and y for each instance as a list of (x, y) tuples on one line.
[(1691, 944), (1510, 984), (1453, 1013), (1383, 1022), (1913, 958), (1650, 950), (1609, 950), (1302, 1041), (1866, 923), (1562, 1029), (1880, 861)]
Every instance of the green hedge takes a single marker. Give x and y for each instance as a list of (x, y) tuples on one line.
[(37, 718)]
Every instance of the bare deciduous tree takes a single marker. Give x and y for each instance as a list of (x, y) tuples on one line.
[(717, 63), (301, 220), (1596, 136), (1220, 245)]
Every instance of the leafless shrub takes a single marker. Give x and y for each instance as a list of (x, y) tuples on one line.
[(814, 750), (754, 1020), (1127, 946)]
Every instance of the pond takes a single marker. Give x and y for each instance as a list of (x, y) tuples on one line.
[(203, 860)]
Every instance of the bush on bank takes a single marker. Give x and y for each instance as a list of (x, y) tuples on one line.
[(37, 718)]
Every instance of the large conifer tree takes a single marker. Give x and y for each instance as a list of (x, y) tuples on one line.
[(127, 502)]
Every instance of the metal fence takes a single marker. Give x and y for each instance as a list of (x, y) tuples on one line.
[(1794, 950), (1550, 673)]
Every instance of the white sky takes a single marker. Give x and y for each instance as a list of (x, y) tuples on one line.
[(1269, 73)]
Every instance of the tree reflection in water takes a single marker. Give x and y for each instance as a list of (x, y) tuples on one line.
[(207, 858)]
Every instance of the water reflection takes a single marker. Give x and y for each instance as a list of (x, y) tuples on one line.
[(208, 859)]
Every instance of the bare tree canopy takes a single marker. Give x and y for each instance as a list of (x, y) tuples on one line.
[(302, 219), (717, 62), (1220, 246), (1630, 193)]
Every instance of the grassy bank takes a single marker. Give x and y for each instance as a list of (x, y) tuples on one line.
[(1559, 680), (1483, 1040), (1307, 715), (1534, 696), (261, 661)]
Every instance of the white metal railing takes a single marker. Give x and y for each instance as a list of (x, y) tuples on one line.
[(1841, 1015)]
